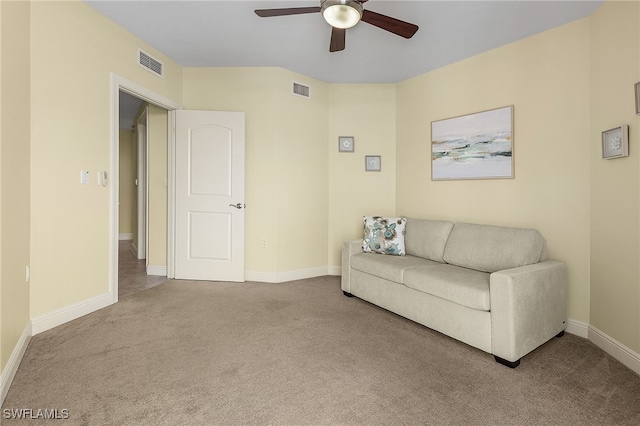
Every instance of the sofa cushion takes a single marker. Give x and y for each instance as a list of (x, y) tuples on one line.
[(492, 248), (388, 267), (427, 238), (384, 235), (463, 286)]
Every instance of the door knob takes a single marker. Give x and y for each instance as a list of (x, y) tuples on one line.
[(238, 206)]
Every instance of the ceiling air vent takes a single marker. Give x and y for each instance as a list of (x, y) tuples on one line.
[(301, 90), (149, 63)]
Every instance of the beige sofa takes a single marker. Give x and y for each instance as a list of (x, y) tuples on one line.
[(488, 286)]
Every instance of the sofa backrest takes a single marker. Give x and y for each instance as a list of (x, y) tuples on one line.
[(427, 238), (493, 248)]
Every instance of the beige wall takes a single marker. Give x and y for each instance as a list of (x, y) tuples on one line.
[(70, 116), (297, 184), (15, 179), (157, 173), (546, 78), (615, 184), (368, 113), (286, 160), (127, 185), (302, 173)]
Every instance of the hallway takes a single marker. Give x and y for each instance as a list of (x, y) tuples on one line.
[(132, 276)]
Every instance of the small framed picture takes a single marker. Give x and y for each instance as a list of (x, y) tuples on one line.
[(637, 86), (346, 144), (372, 163), (615, 142)]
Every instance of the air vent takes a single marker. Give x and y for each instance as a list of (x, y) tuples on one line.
[(301, 90), (149, 63)]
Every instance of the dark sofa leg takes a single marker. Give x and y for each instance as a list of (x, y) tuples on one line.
[(560, 334), (347, 294), (510, 364)]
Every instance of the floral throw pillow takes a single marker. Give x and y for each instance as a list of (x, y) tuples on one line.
[(384, 235)]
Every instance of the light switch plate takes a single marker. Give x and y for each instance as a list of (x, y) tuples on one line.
[(84, 177)]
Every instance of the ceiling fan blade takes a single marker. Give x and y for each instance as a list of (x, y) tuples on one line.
[(265, 13), (393, 25), (338, 36)]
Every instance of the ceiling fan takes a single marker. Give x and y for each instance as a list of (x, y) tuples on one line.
[(343, 14)]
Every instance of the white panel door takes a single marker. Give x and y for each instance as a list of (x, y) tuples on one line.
[(209, 195)]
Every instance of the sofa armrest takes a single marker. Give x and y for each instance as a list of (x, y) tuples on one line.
[(528, 307), (349, 248)]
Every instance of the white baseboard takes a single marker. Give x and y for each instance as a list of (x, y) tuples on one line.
[(69, 313), (10, 369), (578, 328), (123, 237), (281, 277), (615, 349), (608, 344), (157, 270)]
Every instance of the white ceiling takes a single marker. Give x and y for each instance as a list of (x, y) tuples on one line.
[(212, 33)]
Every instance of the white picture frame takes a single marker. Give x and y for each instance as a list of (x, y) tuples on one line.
[(346, 144), (615, 142), (372, 163)]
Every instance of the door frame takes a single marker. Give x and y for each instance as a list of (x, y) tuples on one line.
[(119, 83), (142, 187), (171, 194)]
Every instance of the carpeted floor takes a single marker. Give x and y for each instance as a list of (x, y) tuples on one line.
[(132, 272), (298, 353)]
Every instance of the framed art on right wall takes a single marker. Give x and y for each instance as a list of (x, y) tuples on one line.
[(615, 142)]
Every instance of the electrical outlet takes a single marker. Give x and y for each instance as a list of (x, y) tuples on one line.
[(264, 243)]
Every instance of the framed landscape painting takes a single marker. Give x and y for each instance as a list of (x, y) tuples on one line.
[(473, 146)]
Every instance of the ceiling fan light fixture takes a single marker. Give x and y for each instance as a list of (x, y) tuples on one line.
[(341, 13)]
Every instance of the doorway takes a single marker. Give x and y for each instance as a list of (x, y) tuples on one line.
[(133, 274), (138, 277)]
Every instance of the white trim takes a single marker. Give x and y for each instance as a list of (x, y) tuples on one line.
[(280, 277), (616, 349), (114, 194), (10, 369), (119, 83), (171, 192), (134, 249), (142, 190), (578, 328), (139, 91), (125, 237), (608, 344), (69, 313), (158, 270)]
